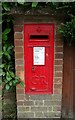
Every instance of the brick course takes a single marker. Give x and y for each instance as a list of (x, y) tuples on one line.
[(18, 35), (38, 106), (18, 28), (18, 49), (18, 42)]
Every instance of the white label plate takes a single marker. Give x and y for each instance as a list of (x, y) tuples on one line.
[(39, 55)]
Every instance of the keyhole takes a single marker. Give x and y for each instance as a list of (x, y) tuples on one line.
[(33, 68)]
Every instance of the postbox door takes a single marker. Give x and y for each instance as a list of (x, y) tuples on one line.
[(38, 66)]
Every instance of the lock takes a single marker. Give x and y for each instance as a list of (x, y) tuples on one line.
[(33, 68)]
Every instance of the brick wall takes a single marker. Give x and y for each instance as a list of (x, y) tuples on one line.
[(38, 106)]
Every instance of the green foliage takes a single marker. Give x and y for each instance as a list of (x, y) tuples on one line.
[(7, 68), (68, 27), (34, 4), (5, 34), (67, 30), (6, 6)]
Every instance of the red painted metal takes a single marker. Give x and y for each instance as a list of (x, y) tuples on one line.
[(39, 78)]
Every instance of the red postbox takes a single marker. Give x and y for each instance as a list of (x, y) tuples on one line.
[(39, 58)]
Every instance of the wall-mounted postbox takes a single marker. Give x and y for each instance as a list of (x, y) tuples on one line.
[(39, 58)]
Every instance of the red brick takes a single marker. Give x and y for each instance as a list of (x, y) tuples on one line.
[(20, 97), (58, 68), (58, 86), (18, 86), (58, 36), (18, 42), (58, 62), (58, 80), (20, 74), (19, 55), (57, 91), (19, 68), (56, 98), (58, 49), (58, 74), (19, 62), (20, 91), (59, 56), (19, 21), (20, 103), (58, 43), (57, 27), (18, 35), (19, 49), (18, 28)]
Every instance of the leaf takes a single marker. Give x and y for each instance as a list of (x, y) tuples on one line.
[(7, 55), (8, 20), (4, 48), (6, 31), (3, 73), (0, 72), (4, 37), (14, 82), (16, 78), (6, 6), (21, 1), (9, 49), (0, 21), (10, 83), (7, 87), (8, 77), (9, 67), (1, 53), (22, 84), (12, 74), (3, 14), (2, 65), (34, 4)]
